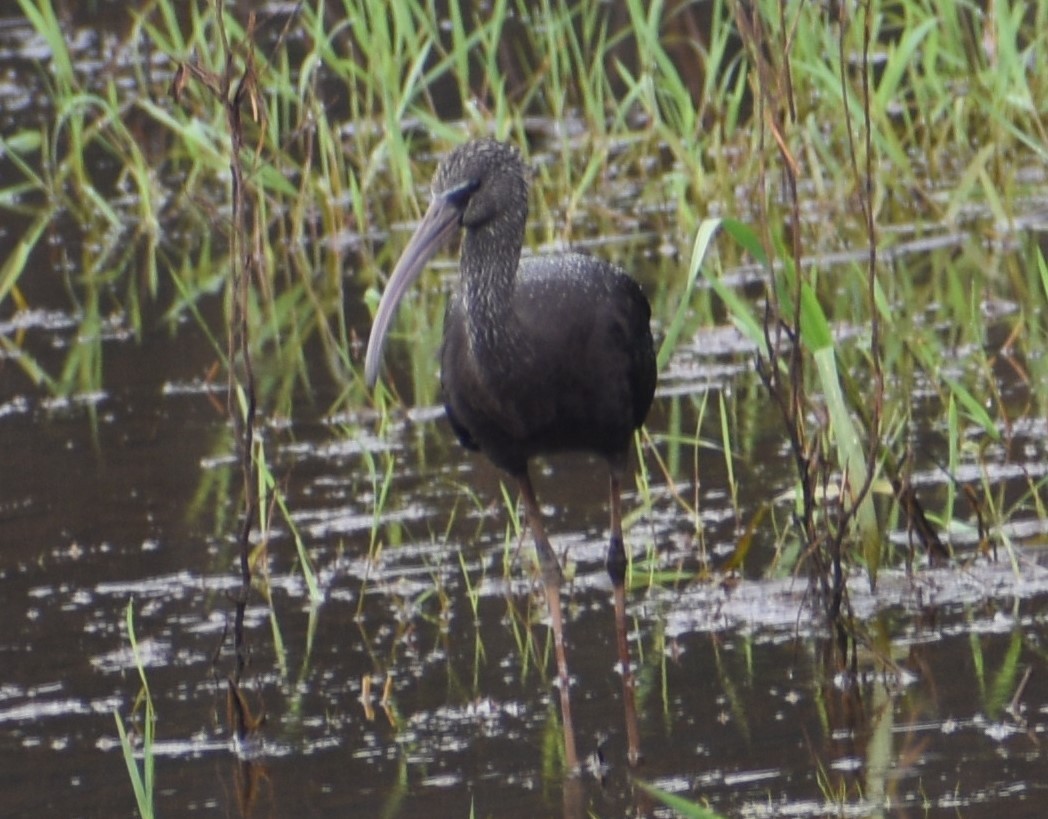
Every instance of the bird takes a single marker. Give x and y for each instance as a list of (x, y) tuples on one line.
[(541, 355)]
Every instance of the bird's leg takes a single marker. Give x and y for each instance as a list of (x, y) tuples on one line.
[(617, 564), (551, 580)]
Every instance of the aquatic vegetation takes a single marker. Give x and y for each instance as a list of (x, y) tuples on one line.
[(848, 196), (143, 779)]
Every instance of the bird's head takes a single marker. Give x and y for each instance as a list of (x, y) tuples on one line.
[(477, 186), (482, 180)]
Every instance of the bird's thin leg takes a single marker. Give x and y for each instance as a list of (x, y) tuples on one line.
[(551, 580), (617, 564)]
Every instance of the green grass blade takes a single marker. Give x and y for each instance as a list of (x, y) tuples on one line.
[(746, 238), (1042, 268), (851, 456), (14, 264), (142, 780), (137, 783), (689, 810), (703, 239)]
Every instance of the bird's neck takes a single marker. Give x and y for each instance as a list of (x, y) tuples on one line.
[(490, 256)]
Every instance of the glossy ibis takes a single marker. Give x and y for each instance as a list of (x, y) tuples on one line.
[(540, 355)]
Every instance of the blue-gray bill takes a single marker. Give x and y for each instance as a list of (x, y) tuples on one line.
[(442, 219)]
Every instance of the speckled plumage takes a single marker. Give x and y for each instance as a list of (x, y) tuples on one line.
[(547, 354), (540, 355), (563, 368)]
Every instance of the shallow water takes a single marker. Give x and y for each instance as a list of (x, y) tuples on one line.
[(111, 497), (127, 493)]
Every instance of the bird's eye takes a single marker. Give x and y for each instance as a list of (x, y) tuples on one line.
[(460, 194)]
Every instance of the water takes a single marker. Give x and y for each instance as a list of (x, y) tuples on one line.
[(115, 496), (422, 683)]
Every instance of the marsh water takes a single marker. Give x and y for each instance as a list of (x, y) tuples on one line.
[(421, 682)]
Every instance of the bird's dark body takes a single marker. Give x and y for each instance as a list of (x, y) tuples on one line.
[(541, 355), (572, 368)]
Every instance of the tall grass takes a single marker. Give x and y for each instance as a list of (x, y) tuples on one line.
[(700, 136), (642, 120), (649, 121), (357, 101)]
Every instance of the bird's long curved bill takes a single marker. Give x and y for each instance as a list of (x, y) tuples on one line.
[(436, 227)]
